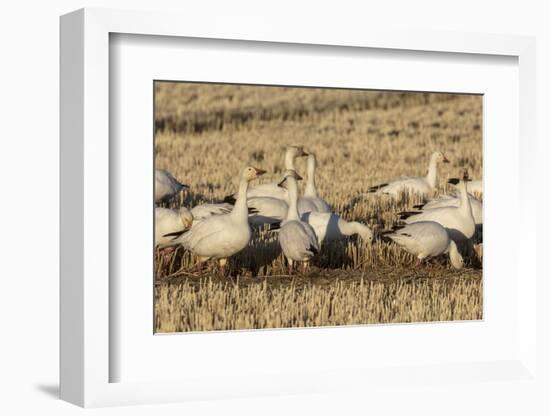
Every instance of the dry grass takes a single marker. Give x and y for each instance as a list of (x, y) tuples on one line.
[(207, 133)]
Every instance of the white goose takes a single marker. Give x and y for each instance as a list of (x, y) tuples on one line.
[(166, 186), (297, 238), (271, 190), (221, 236), (427, 239), (169, 221), (269, 210), (413, 184), (310, 193), (454, 201), (459, 221), (330, 227)]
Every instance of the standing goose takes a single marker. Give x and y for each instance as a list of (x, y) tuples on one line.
[(413, 184), (459, 220), (168, 221), (297, 238), (166, 186), (221, 236), (427, 239), (271, 189), (310, 193)]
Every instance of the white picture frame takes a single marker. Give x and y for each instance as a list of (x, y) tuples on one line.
[(86, 356)]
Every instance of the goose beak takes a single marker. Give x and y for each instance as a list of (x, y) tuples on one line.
[(445, 160), (302, 153), (298, 177), (260, 172)]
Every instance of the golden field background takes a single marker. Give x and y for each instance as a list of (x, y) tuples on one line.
[(206, 133)]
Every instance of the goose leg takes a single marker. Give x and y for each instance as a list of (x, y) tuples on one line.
[(198, 266), (290, 264), (222, 262)]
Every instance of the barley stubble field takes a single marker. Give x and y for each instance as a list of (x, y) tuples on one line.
[(206, 133)]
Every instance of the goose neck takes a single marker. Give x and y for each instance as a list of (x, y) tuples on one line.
[(292, 213), (431, 177), (240, 210), (289, 160)]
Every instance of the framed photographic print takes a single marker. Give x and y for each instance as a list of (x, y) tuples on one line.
[(261, 214)]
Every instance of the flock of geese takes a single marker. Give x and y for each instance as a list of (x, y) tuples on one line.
[(304, 222)]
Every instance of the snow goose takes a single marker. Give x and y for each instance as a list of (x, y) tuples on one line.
[(297, 238), (310, 193), (269, 210), (427, 239), (169, 221), (271, 189), (221, 236), (330, 227), (453, 201), (413, 184), (459, 220), (166, 186)]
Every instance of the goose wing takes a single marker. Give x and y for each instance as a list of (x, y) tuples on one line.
[(424, 239), (203, 211), (298, 240)]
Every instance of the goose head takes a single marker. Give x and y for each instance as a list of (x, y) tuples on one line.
[(251, 173), (455, 257), (186, 217), (295, 151), (439, 157), (463, 175), (365, 233), (289, 173)]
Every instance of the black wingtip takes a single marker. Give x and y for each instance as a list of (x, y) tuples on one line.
[(176, 234), (313, 250), (453, 181), (403, 215), (419, 206), (275, 226), (252, 211), (377, 187), (230, 199)]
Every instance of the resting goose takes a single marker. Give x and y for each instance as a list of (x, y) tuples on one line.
[(330, 227), (413, 184), (453, 201), (221, 236), (310, 193), (166, 186), (168, 221), (271, 190), (459, 220), (297, 238), (427, 239)]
